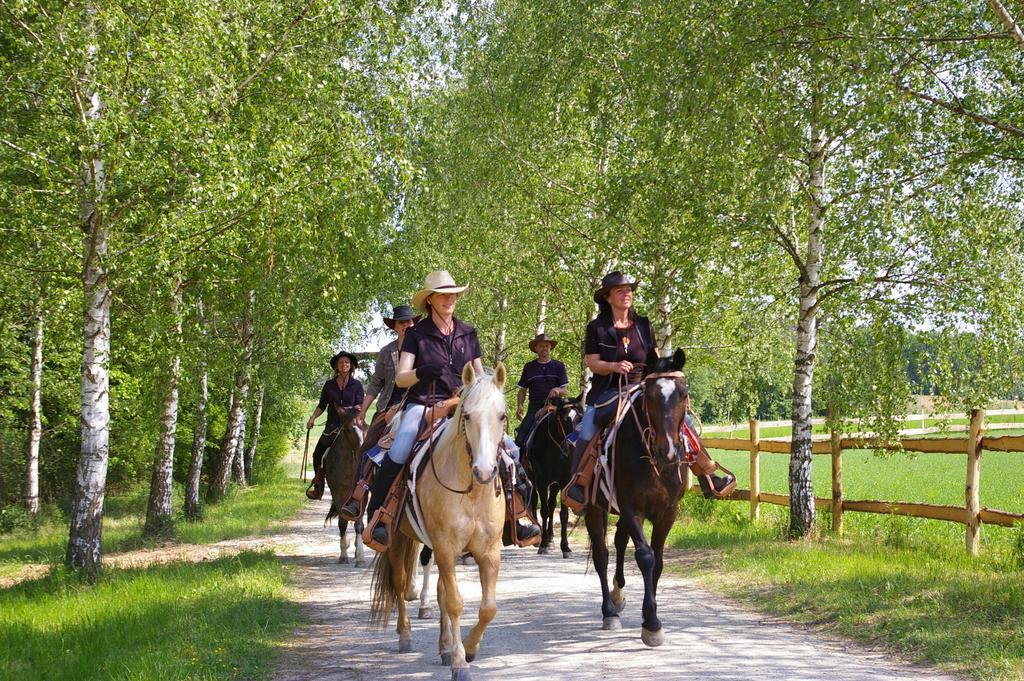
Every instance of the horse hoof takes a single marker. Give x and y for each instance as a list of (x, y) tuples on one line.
[(543, 549), (343, 560), (470, 657), (461, 674), (412, 596), (446, 659), (612, 623), (619, 604), (405, 646), (426, 613), (360, 563), (652, 638), (567, 554)]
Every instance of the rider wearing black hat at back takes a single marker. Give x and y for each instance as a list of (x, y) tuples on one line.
[(341, 392)]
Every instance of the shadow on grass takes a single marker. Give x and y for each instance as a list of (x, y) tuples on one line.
[(219, 619)]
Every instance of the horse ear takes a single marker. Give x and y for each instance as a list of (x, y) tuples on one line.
[(468, 375), (651, 361), (679, 359), (499, 375)]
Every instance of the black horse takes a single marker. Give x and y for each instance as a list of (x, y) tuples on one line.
[(548, 460), (341, 468), (648, 475)]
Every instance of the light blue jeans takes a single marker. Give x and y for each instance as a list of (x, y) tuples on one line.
[(408, 429)]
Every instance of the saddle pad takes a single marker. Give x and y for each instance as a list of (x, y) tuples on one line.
[(419, 460)]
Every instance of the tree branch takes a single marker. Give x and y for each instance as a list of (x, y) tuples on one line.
[(962, 111)]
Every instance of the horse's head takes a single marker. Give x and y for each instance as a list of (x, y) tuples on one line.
[(483, 418), (568, 411), (665, 398)]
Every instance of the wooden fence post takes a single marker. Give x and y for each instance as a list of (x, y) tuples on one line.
[(837, 484), (755, 469), (973, 487)]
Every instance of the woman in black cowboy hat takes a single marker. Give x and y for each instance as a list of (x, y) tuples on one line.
[(616, 347), (341, 392), (542, 378)]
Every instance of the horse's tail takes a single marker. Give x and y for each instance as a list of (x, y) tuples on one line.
[(385, 591), (331, 514)]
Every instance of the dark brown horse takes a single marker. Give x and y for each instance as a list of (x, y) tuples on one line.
[(549, 462), (341, 466), (647, 482)]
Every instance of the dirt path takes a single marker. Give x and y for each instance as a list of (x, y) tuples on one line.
[(549, 626)]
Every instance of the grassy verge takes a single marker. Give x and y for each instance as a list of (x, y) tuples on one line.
[(243, 512), (213, 620), (916, 593)]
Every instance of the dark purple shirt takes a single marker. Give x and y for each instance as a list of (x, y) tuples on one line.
[(350, 397), (539, 378), (432, 347), (615, 345)]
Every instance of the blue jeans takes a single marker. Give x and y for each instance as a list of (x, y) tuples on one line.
[(408, 428)]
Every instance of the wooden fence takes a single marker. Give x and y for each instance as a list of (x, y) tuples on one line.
[(971, 514)]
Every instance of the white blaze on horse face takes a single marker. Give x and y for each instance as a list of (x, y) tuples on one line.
[(668, 386), (484, 408)]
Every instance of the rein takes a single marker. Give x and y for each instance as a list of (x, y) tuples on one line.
[(430, 451), (647, 433)]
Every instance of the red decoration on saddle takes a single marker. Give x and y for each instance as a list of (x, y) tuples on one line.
[(691, 442)]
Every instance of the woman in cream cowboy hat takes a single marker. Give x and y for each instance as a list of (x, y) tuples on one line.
[(430, 365)]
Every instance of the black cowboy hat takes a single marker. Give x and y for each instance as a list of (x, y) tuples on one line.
[(610, 281), (351, 358), (542, 338), (401, 313)]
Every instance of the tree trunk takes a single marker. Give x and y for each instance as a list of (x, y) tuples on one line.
[(229, 445), (250, 454), (664, 331), (801, 487), (499, 336), (83, 552), (542, 313), (160, 511), (195, 466), (238, 458), (35, 419)]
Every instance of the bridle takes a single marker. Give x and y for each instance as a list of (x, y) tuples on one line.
[(647, 433), (461, 430)]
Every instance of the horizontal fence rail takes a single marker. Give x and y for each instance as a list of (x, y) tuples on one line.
[(971, 446)]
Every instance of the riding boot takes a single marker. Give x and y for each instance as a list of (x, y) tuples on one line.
[(315, 491), (712, 486), (351, 509), (382, 483), (517, 497), (575, 493)]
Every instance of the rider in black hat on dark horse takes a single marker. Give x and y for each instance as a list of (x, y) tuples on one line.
[(341, 392), (542, 378)]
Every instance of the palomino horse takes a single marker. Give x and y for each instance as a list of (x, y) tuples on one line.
[(549, 460), (647, 482), (341, 465), (462, 510)]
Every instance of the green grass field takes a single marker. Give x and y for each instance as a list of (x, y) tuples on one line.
[(220, 619), (907, 583)]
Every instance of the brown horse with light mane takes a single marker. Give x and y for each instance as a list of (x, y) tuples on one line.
[(463, 511)]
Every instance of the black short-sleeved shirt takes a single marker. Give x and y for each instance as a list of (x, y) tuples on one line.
[(430, 346), (350, 397), (616, 345), (539, 378)]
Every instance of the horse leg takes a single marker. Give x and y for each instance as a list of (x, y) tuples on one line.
[(546, 518), (401, 572), (489, 564), (342, 527), (411, 594), (651, 633), (426, 561), (597, 526), (360, 555), (659, 533), (452, 609), (621, 542), (563, 516), (445, 644)]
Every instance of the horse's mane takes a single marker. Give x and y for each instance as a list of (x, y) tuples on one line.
[(475, 399)]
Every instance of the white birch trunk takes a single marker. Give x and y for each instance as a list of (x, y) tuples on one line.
[(195, 466), (257, 419), (160, 510), (542, 313), (83, 552), (499, 336), (801, 487), (238, 457), (663, 332), (35, 418)]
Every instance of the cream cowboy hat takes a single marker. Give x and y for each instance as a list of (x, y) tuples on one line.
[(436, 282)]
